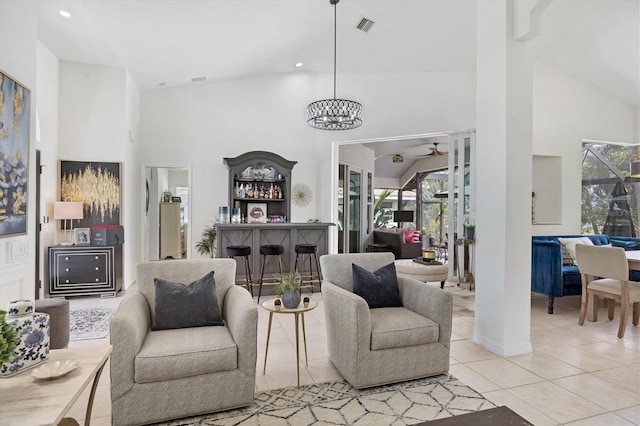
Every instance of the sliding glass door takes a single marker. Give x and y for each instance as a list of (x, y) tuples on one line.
[(355, 204)]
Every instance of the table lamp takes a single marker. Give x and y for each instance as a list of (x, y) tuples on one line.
[(67, 210)]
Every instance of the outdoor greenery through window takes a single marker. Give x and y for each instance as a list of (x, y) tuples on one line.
[(434, 209), (431, 210), (609, 200)]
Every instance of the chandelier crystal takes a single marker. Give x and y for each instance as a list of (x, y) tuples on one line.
[(334, 114)]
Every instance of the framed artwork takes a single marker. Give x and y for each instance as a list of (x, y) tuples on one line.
[(15, 104), (256, 212), (83, 236), (97, 186)]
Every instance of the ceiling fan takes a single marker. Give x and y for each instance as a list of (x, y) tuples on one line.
[(434, 151)]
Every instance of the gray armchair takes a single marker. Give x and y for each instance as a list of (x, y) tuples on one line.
[(169, 374), (371, 347)]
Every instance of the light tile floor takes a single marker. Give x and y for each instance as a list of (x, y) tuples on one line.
[(574, 376)]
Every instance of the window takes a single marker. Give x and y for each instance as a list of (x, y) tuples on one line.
[(609, 202)]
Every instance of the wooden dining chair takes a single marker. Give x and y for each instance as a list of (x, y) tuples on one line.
[(605, 273)]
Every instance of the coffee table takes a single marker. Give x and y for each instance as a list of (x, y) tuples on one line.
[(27, 401), (269, 305)]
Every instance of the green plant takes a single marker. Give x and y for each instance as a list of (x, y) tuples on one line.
[(381, 215), (8, 339), (207, 245), (470, 226), (290, 281)]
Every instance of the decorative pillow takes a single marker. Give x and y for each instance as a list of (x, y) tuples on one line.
[(567, 260), (411, 236), (570, 245), (378, 288), (183, 306)]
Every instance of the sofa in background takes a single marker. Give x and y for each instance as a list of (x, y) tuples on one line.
[(550, 277), (395, 239)]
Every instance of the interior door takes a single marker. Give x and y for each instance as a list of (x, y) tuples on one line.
[(460, 199), (38, 281), (355, 211)]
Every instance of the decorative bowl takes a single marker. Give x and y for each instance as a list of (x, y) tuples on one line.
[(54, 369)]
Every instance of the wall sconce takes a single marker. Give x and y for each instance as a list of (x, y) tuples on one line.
[(67, 210)]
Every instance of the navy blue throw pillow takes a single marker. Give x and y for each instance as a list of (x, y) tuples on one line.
[(378, 288), (183, 306)]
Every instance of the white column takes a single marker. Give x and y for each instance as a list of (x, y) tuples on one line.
[(503, 183)]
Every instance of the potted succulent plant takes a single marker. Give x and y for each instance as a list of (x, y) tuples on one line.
[(289, 288), (469, 231), (305, 301), (277, 304)]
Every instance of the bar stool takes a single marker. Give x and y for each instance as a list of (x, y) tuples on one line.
[(269, 250), (243, 252), (309, 250)]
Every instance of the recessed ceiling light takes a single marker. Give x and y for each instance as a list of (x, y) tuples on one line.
[(298, 64), (65, 14)]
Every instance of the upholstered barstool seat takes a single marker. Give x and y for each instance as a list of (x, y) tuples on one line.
[(243, 252), (309, 250), (58, 310), (269, 250)]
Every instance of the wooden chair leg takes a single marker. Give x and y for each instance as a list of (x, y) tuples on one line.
[(636, 313), (611, 305), (583, 307), (593, 300), (623, 319)]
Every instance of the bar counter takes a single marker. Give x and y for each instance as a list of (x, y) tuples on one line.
[(286, 234)]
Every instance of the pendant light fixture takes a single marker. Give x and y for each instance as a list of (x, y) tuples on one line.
[(334, 114)]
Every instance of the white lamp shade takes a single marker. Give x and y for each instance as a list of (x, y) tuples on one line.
[(63, 210)]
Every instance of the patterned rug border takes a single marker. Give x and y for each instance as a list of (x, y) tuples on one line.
[(89, 322), (306, 404)]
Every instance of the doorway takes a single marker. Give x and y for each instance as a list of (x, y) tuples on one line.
[(456, 173), (167, 236)]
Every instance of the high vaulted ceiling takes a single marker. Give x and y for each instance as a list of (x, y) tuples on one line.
[(172, 41)]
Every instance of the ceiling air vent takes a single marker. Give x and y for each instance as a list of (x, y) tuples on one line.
[(365, 24), (198, 79)]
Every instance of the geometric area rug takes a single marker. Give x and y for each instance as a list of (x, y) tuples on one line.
[(89, 323), (338, 403)]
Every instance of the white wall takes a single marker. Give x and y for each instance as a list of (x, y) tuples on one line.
[(200, 124), (48, 100), (18, 56), (565, 111), (132, 193), (99, 116), (358, 156), (92, 112)]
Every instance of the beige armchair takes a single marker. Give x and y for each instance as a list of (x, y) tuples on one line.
[(168, 374), (371, 347), (605, 273)]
